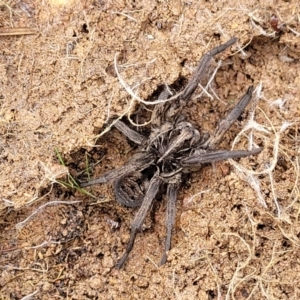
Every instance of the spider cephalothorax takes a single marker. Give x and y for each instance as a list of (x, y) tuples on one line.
[(174, 147)]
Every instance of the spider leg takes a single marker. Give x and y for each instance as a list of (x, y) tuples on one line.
[(199, 74), (138, 221), (202, 69), (128, 132), (226, 123), (128, 191), (170, 218), (139, 161), (201, 157)]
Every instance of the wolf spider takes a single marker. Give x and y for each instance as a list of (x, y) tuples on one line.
[(173, 148)]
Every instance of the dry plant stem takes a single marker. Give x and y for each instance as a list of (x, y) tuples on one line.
[(17, 31), (249, 175), (30, 296), (20, 225), (133, 95)]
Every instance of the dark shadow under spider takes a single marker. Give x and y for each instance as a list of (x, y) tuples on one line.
[(174, 147)]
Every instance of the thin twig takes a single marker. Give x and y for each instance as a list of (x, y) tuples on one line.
[(20, 225)]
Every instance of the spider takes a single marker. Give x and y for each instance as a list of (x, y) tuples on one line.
[(173, 148)]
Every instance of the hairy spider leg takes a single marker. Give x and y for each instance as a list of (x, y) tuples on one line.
[(139, 218), (139, 161), (202, 69), (192, 85), (170, 218), (200, 158), (129, 133), (226, 123)]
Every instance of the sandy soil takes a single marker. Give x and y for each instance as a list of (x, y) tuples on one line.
[(237, 232)]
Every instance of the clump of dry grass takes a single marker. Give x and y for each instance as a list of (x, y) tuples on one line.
[(265, 133), (271, 136)]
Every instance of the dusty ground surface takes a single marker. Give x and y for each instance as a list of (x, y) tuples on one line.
[(58, 90)]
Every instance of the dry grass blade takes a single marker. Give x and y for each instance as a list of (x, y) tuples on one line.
[(17, 31), (21, 224)]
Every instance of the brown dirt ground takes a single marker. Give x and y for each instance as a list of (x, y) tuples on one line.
[(58, 87)]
